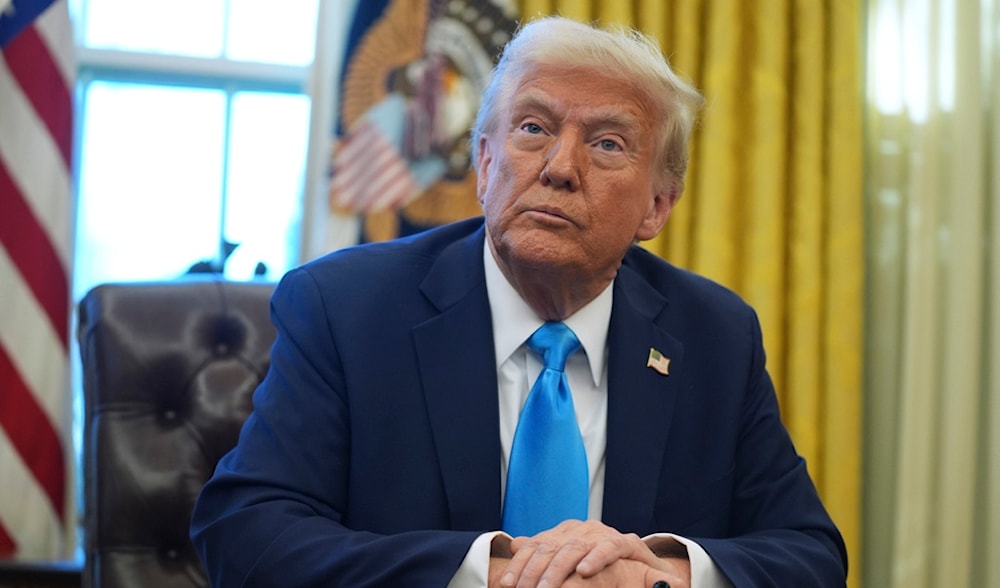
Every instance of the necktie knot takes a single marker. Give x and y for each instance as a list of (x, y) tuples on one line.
[(554, 342)]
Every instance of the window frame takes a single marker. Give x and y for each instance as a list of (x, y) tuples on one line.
[(226, 75), (231, 77)]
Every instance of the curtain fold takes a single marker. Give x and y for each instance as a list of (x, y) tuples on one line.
[(773, 204), (933, 477)]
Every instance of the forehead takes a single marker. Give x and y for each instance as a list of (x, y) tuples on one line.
[(564, 91)]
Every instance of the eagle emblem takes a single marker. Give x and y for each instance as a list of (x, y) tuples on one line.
[(409, 95)]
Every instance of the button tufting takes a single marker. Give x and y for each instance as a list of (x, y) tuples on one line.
[(173, 347)]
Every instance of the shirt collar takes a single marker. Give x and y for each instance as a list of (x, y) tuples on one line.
[(519, 321)]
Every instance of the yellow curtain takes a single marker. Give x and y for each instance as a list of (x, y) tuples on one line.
[(773, 204)]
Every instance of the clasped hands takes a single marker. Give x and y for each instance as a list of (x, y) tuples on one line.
[(587, 554)]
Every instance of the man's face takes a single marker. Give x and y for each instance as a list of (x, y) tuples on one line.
[(565, 175)]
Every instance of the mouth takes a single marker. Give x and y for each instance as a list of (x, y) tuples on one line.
[(548, 214)]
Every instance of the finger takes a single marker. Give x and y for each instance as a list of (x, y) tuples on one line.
[(527, 565), (512, 573), (544, 563), (542, 555), (612, 549), (622, 572), (551, 556), (561, 565), (524, 550), (598, 558)]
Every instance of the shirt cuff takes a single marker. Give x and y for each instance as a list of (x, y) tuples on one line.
[(704, 572), (475, 569)]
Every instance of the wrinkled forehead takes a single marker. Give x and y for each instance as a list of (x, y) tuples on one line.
[(556, 87)]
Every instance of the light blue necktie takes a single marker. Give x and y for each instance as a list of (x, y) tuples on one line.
[(547, 478)]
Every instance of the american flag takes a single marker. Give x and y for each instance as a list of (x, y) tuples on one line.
[(658, 362), (373, 174), (36, 221)]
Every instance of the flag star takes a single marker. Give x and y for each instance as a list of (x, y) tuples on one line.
[(7, 7)]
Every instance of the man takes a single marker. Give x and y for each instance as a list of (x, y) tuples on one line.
[(383, 447)]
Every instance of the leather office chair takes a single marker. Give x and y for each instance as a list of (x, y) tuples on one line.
[(168, 373)]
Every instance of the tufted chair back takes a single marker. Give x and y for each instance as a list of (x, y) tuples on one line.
[(168, 370)]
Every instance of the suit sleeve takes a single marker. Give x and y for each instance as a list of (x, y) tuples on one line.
[(781, 534), (276, 512)]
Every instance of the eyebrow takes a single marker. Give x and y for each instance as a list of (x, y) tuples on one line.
[(615, 119)]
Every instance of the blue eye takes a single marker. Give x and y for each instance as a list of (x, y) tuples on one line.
[(532, 128), (609, 145)]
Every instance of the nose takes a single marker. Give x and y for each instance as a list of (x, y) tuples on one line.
[(562, 167)]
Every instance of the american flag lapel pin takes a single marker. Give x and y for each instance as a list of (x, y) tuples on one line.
[(658, 362)]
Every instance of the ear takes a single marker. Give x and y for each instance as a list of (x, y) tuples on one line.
[(483, 160), (660, 207)]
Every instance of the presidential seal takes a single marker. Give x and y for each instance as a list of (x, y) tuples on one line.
[(409, 95)]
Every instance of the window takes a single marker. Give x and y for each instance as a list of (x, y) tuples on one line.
[(193, 127), (192, 135)]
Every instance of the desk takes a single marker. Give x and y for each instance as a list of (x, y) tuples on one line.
[(56, 574)]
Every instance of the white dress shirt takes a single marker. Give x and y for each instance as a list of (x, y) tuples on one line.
[(513, 322)]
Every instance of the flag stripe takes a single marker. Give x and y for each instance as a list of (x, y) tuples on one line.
[(383, 163), (32, 526), (42, 82), (352, 151), (57, 33), (399, 188), (35, 164), (31, 433), (34, 346), (7, 545), (36, 236), (369, 173), (33, 255)]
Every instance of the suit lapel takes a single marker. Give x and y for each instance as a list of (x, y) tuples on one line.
[(640, 404), (462, 395), (461, 391)]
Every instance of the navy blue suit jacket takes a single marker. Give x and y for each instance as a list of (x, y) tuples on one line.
[(372, 456)]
